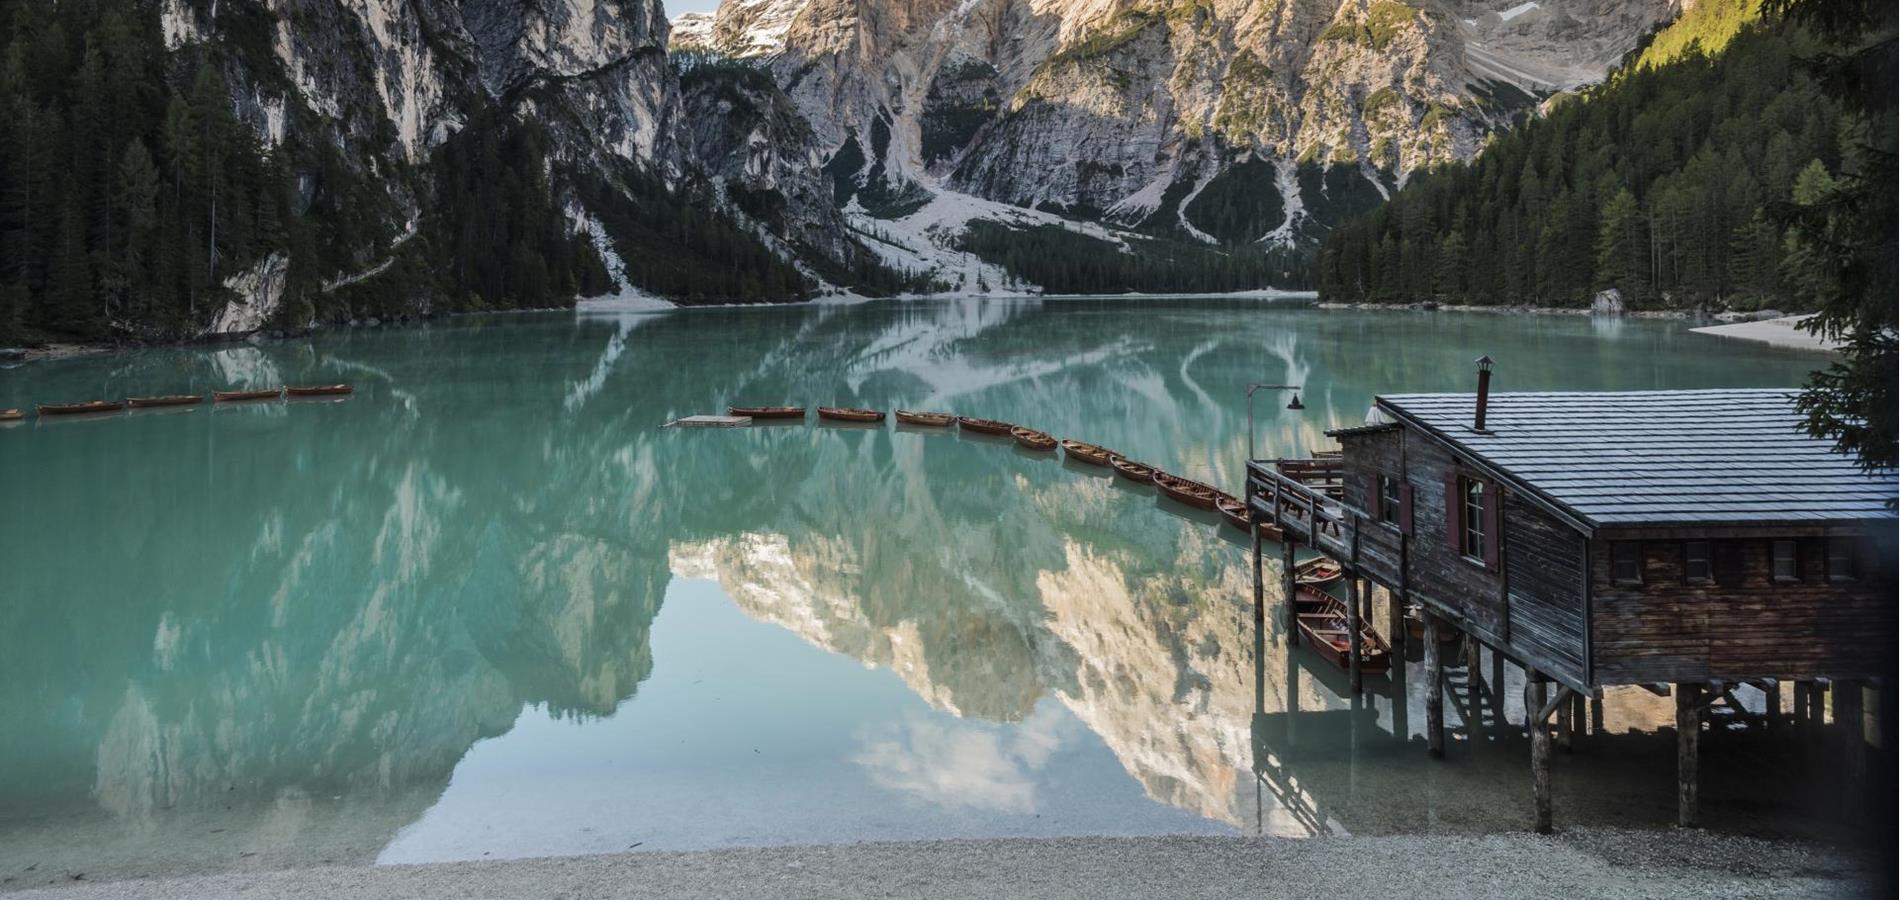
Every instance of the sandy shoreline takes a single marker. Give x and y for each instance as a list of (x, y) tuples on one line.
[(1583, 863), (1782, 332)]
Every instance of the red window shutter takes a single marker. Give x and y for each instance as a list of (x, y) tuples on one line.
[(1493, 535), (1405, 507), (1375, 498), (1454, 514)]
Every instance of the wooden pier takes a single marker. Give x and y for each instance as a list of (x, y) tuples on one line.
[(1688, 538)]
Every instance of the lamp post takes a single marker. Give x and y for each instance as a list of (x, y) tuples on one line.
[(1295, 405)]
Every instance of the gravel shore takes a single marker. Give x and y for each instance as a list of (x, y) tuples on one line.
[(1782, 332), (1680, 865)]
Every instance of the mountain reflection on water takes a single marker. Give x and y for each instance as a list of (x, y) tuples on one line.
[(278, 629)]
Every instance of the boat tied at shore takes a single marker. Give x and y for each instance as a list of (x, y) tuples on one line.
[(167, 400), (767, 412), (1033, 439), (983, 426), (849, 414)]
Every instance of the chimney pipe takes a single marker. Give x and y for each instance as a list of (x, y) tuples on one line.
[(1484, 392)]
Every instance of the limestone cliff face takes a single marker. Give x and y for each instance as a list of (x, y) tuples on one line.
[(742, 132), (370, 90), (1170, 114)]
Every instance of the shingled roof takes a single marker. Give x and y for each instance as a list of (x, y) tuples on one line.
[(1660, 457)]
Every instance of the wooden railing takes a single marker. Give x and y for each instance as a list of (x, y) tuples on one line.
[(1304, 511)]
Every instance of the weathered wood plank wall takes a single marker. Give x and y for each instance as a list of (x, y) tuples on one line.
[(1669, 629)]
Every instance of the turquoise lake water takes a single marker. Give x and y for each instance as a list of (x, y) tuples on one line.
[(487, 607)]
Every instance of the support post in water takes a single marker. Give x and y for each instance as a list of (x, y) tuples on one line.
[(1538, 708), (1688, 736), (1534, 719), (1352, 635), (1803, 726), (1395, 624), (1564, 725), (1534, 692), (1259, 584), (1850, 721), (1434, 687), (1287, 588)]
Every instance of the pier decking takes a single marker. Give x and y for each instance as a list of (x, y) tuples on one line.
[(1693, 538)]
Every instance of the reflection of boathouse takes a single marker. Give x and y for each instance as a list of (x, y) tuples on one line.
[(1690, 537)]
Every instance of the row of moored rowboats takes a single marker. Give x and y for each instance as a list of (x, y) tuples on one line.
[(167, 400), (1182, 490)]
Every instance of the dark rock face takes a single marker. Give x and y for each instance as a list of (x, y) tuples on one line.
[(745, 133)]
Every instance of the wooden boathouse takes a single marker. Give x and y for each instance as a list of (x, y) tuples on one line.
[(1697, 539)]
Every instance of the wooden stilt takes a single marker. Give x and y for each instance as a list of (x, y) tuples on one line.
[(1395, 631), (1596, 715), (1688, 736), (1540, 750), (1288, 594), (1434, 688), (1356, 662), (1850, 721), (1500, 723), (1474, 686), (1401, 724), (1259, 588), (1800, 712), (1771, 705), (1564, 725)]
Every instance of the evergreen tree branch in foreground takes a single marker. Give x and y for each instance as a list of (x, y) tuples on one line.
[(1841, 233)]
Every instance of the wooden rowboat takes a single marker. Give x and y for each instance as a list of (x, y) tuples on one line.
[(73, 409), (848, 414), (1033, 439), (320, 390), (1231, 509), (1323, 622), (1234, 510), (169, 400), (1140, 473), (1182, 490), (767, 412), (983, 426), (933, 420), (1316, 571), (1088, 453), (11, 415), (235, 396)]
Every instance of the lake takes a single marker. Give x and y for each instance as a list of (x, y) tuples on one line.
[(488, 607)]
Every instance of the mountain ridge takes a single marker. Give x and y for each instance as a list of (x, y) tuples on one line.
[(775, 150)]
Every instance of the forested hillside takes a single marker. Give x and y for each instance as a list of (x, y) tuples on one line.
[(127, 187), (1661, 183), (164, 174)]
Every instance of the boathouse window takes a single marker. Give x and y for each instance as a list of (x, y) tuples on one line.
[(1728, 563), (1472, 517), (1626, 562), (1696, 567), (1840, 559), (1786, 564), (1388, 500)]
